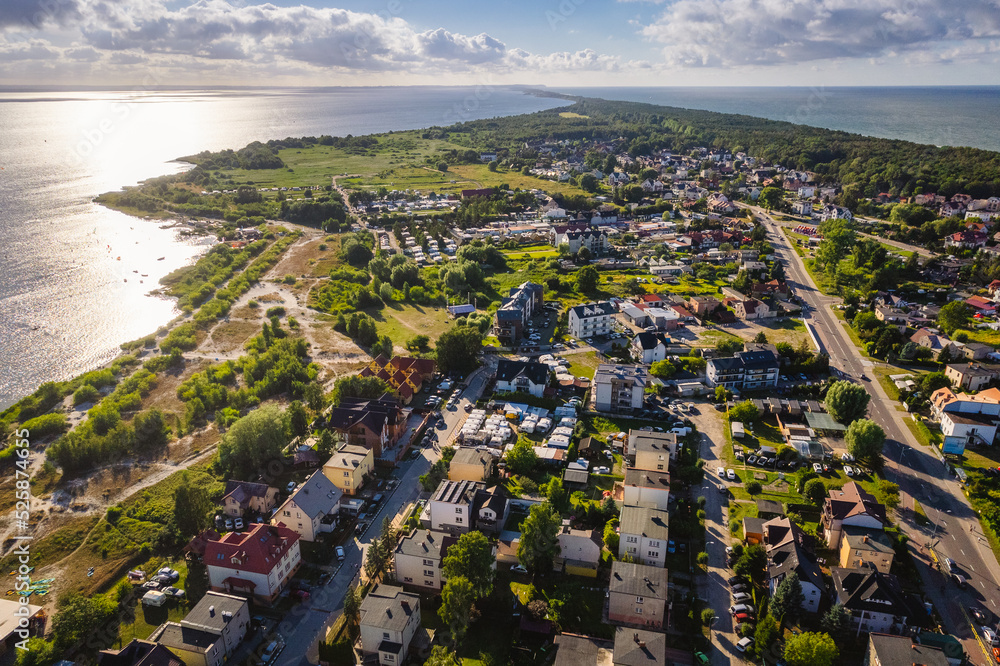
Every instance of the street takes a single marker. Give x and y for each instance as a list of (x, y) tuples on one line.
[(307, 623), (954, 531)]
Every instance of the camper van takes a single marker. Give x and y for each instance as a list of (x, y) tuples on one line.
[(154, 598)]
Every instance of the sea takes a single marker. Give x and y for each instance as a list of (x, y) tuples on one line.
[(76, 278)]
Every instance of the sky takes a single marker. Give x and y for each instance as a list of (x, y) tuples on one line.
[(471, 42)]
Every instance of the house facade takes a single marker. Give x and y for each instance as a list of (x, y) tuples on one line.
[(516, 310), (861, 547), (450, 507), (637, 595), (312, 509), (418, 559), (242, 497), (521, 377), (648, 348), (647, 487), (374, 424), (470, 464), (619, 389), (210, 632), (749, 370), (643, 533), (257, 563), (348, 467), (390, 617), (875, 600), (592, 319), (851, 506), (579, 552)]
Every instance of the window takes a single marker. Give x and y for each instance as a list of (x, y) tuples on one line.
[(429, 583), (407, 579), (428, 572), (638, 600), (631, 539), (385, 635), (428, 563), (458, 520), (458, 509), (389, 657), (638, 610), (651, 553), (287, 513), (347, 473)]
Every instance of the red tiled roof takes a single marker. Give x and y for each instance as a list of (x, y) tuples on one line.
[(258, 550)]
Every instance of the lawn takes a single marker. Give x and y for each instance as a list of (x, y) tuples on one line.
[(582, 364), (924, 435), (481, 174), (402, 321), (985, 336)]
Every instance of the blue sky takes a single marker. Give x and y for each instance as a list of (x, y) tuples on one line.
[(538, 42)]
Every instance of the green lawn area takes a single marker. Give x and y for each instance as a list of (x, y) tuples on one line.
[(402, 321), (985, 336), (980, 458), (582, 364), (714, 336), (924, 435), (481, 174)]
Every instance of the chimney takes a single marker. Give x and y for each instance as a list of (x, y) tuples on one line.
[(211, 611), (636, 638), (642, 644)]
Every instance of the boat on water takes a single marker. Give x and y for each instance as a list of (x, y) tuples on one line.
[(161, 258)]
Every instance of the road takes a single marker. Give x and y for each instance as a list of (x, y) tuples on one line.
[(307, 623), (920, 473)]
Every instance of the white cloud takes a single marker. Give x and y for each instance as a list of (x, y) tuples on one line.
[(726, 33)]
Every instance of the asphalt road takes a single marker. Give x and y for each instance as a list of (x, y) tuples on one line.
[(954, 531), (307, 623)]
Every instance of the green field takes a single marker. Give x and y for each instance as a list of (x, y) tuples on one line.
[(985, 336), (582, 365), (402, 321), (483, 177)]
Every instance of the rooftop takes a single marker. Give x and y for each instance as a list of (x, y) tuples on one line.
[(638, 580), (649, 522)]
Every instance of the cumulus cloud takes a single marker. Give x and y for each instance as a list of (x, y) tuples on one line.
[(771, 32), (36, 13)]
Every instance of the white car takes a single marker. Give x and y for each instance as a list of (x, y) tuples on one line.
[(744, 644), (848, 470), (721, 471), (846, 457), (817, 468), (731, 475), (519, 569)]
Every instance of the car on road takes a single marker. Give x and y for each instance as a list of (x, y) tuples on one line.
[(339, 550), (979, 614), (701, 659), (996, 655), (959, 580), (740, 597), (730, 474), (271, 652), (950, 563), (744, 644), (360, 527), (290, 488), (671, 546), (736, 609), (517, 568)]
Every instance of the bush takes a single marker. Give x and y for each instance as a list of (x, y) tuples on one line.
[(85, 393), (46, 424)]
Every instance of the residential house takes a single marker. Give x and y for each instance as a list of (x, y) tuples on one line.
[(418, 559), (892, 317), (966, 239), (981, 305), (643, 534), (348, 468), (259, 562), (619, 389), (647, 486), (936, 343), (516, 310), (752, 309), (966, 419), (490, 509), (889, 650), (637, 595), (647, 449), (875, 600), (860, 547), (137, 653), (586, 321), (703, 306), (976, 351), (648, 348), (640, 647), (719, 203), (786, 554), (242, 497), (312, 509), (390, 617), (804, 207), (470, 464), (851, 506), (521, 377), (831, 212), (405, 375), (579, 551), (594, 239), (748, 370), (374, 424), (209, 633), (450, 507), (576, 650), (971, 376)]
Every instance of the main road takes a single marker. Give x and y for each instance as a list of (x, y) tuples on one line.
[(307, 623), (922, 476)]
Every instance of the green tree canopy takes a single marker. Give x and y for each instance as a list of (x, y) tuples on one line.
[(521, 458), (865, 440), (847, 401), (953, 316), (811, 649), (766, 634), (471, 557), (744, 412), (252, 442), (815, 491), (539, 544), (787, 598), (752, 563), (458, 349), (80, 621), (587, 279), (457, 605)]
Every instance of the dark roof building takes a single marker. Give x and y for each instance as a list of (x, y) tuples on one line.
[(139, 653), (574, 650), (886, 650)]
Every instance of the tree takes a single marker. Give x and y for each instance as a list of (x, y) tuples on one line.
[(492, 166), (583, 255), (662, 369), (753, 487), (588, 182), (442, 166), (191, 507), (457, 605), (707, 615), (744, 412), (760, 338), (767, 633), (722, 394), (752, 563), (539, 544), (728, 347), (298, 420), (787, 598), (252, 442), (81, 621), (418, 343), (352, 610), (633, 287), (611, 536), (953, 316), (440, 655), (702, 558), (888, 493), (458, 349), (557, 495), (865, 440), (521, 458), (471, 557), (933, 381), (325, 445), (771, 197), (837, 623), (847, 401), (151, 430), (815, 491), (586, 279), (811, 649)]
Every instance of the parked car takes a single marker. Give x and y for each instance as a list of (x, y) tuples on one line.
[(730, 474), (741, 587), (950, 563), (271, 652), (172, 575), (959, 580), (229, 524), (238, 524), (152, 585), (517, 568), (979, 615), (740, 597), (817, 468), (174, 592), (671, 546), (848, 470), (744, 644), (736, 609), (752, 460), (744, 618), (737, 580)]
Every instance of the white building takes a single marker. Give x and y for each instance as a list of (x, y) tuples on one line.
[(312, 509), (749, 370), (647, 487), (418, 558), (592, 319), (450, 507), (966, 419), (643, 534), (389, 619), (619, 389), (648, 348), (521, 377), (257, 563)]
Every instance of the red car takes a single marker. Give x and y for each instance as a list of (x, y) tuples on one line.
[(743, 617)]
